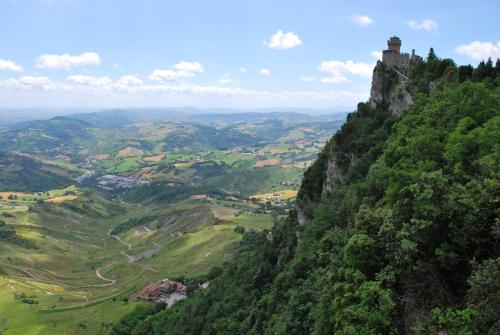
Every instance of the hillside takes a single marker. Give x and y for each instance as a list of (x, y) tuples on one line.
[(396, 229), (20, 172)]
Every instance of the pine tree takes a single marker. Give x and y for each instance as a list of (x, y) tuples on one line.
[(489, 71), (432, 55), (465, 73)]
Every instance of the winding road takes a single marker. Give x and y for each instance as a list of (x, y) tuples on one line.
[(55, 282), (129, 246), (97, 272)]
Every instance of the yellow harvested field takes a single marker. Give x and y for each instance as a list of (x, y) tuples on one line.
[(303, 165), (156, 158), (19, 194), (283, 194), (147, 172), (268, 162), (129, 152), (101, 157), (182, 165), (55, 196), (272, 151), (199, 196), (62, 198)]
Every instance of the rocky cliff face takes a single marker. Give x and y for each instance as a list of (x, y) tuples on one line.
[(333, 173), (389, 87)]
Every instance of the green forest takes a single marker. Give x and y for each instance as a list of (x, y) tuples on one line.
[(406, 241)]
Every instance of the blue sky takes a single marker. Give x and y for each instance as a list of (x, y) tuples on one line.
[(242, 54)]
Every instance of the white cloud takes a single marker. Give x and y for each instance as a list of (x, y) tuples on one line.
[(129, 81), (281, 40), (226, 79), (308, 78), (27, 83), (243, 69), (8, 65), (335, 79), (67, 61), (363, 20), (426, 24), (265, 72), (177, 71), (169, 75), (338, 70), (377, 54), (480, 50), (189, 66), (90, 80)]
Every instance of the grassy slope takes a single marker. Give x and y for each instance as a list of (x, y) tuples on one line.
[(71, 247)]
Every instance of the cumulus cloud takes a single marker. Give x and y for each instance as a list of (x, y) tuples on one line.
[(281, 40), (308, 78), (377, 54), (426, 24), (334, 79), (90, 80), (363, 20), (28, 83), (243, 69), (189, 66), (129, 81), (338, 70), (265, 72), (66, 61), (226, 79), (8, 65), (480, 50), (177, 71), (169, 75)]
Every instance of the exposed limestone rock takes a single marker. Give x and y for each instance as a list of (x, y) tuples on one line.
[(333, 174), (389, 87), (378, 89), (302, 214), (399, 100)]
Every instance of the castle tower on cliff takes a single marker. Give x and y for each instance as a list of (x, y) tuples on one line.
[(393, 57)]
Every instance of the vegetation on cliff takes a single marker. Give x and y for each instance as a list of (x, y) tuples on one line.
[(406, 242)]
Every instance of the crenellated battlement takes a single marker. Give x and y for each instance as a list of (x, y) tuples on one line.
[(392, 56)]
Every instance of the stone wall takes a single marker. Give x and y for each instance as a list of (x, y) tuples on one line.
[(392, 58)]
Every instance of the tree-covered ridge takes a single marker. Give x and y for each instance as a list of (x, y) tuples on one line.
[(406, 242)]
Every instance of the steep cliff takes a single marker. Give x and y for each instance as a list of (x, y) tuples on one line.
[(390, 87), (389, 98)]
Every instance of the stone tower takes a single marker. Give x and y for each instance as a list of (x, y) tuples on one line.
[(392, 57), (394, 44)]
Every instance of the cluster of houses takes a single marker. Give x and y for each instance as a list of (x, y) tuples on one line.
[(167, 291), (112, 182)]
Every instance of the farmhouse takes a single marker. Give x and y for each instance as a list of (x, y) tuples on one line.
[(167, 291)]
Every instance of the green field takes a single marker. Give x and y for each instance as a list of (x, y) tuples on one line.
[(56, 277)]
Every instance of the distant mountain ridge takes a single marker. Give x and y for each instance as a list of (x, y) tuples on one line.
[(123, 116)]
